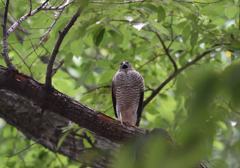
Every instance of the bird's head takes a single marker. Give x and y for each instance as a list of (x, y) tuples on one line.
[(125, 66)]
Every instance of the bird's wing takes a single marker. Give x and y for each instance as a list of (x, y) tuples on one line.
[(140, 108), (114, 98)]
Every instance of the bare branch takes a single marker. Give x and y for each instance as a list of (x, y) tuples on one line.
[(167, 52), (155, 56), (30, 4), (19, 21), (31, 144), (45, 34), (58, 7), (175, 73), (5, 40), (107, 86), (48, 81), (229, 105), (59, 66), (67, 107)]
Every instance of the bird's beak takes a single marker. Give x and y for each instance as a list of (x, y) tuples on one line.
[(124, 66)]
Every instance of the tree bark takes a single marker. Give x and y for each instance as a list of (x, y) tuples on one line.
[(65, 106), (22, 114)]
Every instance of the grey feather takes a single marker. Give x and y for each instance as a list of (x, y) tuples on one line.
[(127, 94)]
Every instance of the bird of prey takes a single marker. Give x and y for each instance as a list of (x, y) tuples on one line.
[(127, 94)]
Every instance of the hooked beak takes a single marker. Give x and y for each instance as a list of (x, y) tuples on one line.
[(124, 66)]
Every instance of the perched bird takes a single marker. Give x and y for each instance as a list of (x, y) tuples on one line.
[(127, 94)]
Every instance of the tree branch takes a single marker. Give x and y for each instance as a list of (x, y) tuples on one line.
[(19, 21), (167, 51), (30, 5), (7, 60), (68, 2), (15, 108), (67, 107), (48, 81), (45, 34), (175, 73)]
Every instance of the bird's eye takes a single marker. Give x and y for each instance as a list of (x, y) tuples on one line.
[(127, 62)]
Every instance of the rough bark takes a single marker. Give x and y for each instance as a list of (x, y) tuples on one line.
[(66, 107), (26, 117)]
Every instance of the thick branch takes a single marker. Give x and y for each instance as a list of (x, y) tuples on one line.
[(23, 115), (67, 107), (174, 74), (5, 41), (48, 82)]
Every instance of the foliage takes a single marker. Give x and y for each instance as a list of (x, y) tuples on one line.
[(199, 107)]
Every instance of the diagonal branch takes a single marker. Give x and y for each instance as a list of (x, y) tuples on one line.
[(48, 81), (15, 108), (5, 40), (68, 2), (45, 34), (67, 107), (175, 73), (19, 21), (167, 52)]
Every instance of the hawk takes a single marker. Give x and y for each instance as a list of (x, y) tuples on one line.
[(127, 94)]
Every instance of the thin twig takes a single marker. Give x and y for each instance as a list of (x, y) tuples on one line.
[(171, 26), (96, 88), (19, 21), (89, 140), (172, 42), (45, 34), (58, 7), (5, 41), (59, 66), (175, 73), (167, 52), (156, 56), (20, 41), (47, 132), (30, 4), (147, 88), (21, 59), (229, 105), (48, 81)]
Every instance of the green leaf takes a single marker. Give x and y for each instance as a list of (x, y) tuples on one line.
[(77, 47), (85, 141), (116, 38), (219, 21), (194, 39), (82, 79), (230, 12), (149, 8), (115, 29), (62, 139), (161, 13), (99, 37), (158, 27), (182, 7), (186, 33)]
